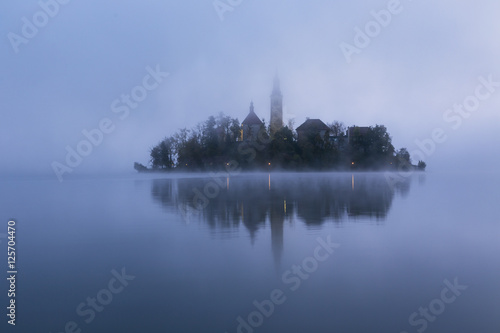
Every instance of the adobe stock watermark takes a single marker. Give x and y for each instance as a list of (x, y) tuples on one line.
[(420, 319), (453, 117), (292, 280), (223, 6), (122, 107), (31, 26), (211, 189), (88, 309), (372, 29)]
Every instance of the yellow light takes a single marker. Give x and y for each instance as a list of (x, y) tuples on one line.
[(269, 163), (352, 163)]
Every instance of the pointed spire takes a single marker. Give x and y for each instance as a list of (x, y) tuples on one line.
[(276, 121), (252, 118), (276, 85)]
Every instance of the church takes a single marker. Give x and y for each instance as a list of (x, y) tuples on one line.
[(252, 125)]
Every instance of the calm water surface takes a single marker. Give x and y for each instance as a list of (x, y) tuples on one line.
[(255, 253)]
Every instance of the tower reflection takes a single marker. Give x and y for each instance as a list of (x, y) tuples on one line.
[(266, 201)]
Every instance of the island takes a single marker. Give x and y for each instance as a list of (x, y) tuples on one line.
[(221, 141)]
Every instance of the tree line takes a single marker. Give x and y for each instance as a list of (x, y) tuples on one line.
[(216, 142)]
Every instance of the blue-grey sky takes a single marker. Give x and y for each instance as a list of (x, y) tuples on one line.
[(64, 63)]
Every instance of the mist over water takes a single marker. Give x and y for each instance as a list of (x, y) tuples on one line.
[(315, 198), (89, 88), (199, 265)]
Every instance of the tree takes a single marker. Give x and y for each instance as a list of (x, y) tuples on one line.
[(403, 160), (381, 150), (381, 141), (235, 129), (283, 149), (359, 147), (371, 147), (162, 154), (190, 152), (139, 167), (316, 150), (337, 128), (209, 139), (403, 155)]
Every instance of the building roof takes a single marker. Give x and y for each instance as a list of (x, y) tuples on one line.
[(252, 118), (313, 125)]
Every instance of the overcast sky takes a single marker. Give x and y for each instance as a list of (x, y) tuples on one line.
[(61, 72)]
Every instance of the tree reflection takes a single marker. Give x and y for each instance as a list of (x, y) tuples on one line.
[(268, 200)]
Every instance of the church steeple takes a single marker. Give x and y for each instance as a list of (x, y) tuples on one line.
[(276, 85), (276, 106)]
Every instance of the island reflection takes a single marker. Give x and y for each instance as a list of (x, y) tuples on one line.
[(224, 203), (251, 200)]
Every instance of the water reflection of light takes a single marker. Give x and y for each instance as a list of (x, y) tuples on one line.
[(370, 197)]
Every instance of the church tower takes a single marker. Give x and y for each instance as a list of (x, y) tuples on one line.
[(276, 107)]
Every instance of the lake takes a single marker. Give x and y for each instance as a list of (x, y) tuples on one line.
[(319, 252)]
